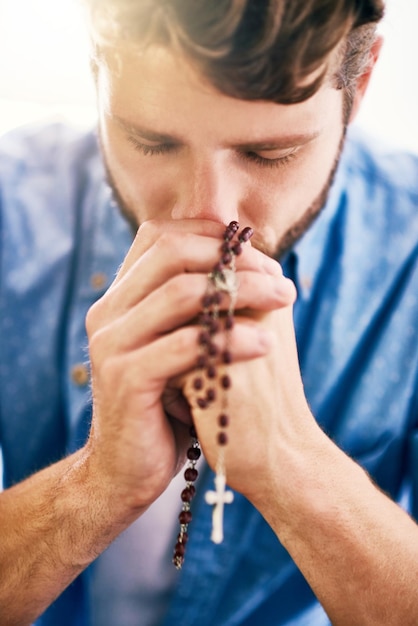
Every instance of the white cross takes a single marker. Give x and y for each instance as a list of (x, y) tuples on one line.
[(218, 498)]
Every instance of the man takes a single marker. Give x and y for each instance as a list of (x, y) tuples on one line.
[(211, 113)]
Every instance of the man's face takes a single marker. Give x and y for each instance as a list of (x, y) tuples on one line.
[(176, 148)]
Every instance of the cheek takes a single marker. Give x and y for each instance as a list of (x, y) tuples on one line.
[(146, 189)]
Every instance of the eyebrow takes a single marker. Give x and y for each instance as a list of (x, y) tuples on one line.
[(272, 143), (145, 133)]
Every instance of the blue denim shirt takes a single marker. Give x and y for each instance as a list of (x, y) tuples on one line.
[(356, 317)]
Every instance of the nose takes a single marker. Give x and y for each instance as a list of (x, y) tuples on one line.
[(207, 189)]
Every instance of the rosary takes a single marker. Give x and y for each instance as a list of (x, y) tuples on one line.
[(209, 380)]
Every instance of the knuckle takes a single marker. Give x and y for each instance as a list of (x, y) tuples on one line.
[(184, 342), (150, 230), (93, 316)]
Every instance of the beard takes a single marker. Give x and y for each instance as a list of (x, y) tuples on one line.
[(291, 235), (300, 226)]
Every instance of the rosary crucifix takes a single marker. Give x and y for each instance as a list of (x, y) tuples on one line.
[(211, 380), (218, 498)]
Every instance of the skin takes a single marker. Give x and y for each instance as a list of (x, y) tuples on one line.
[(361, 553)]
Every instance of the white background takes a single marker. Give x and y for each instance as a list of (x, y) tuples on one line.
[(44, 68)]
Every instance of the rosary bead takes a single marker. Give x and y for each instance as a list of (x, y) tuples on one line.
[(188, 493), (233, 225), (245, 234), (227, 357), (217, 298), (211, 371), (204, 338), (202, 403), (225, 381), (205, 319), (213, 327), (179, 549), (237, 249), (222, 439), (198, 384), (193, 453), (211, 395), (223, 420), (207, 300), (226, 258), (226, 247), (201, 361), (191, 474), (185, 517), (229, 322), (212, 349)]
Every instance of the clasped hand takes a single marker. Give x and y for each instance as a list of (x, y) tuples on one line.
[(143, 341)]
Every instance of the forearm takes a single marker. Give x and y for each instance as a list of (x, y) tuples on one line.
[(357, 549), (52, 526)]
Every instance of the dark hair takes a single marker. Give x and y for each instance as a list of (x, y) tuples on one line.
[(251, 49)]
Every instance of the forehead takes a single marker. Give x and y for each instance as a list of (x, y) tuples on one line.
[(161, 89)]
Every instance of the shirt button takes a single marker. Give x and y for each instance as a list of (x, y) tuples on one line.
[(80, 374), (306, 282), (98, 280)]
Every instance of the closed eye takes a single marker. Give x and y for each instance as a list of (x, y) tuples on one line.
[(279, 161), (152, 149)]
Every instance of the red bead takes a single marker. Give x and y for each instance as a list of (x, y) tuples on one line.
[(204, 338), (211, 371), (233, 225), (226, 357), (212, 349), (202, 403), (223, 420), (204, 319), (222, 439), (210, 395), (207, 300), (229, 322), (185, 517), (217, 297), (237, 249), (226, 247), (213, 327), (179, 549), (198, 384), (226, 258), (201, 361), (188, 493), (245, 234), (226, 381), (193, 453), (191, 474)]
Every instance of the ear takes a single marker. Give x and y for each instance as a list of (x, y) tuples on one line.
[(364, 80)]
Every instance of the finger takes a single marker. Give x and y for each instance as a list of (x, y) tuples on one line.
[(150, 232), (170, 256), (179, 301), (144, 372)]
